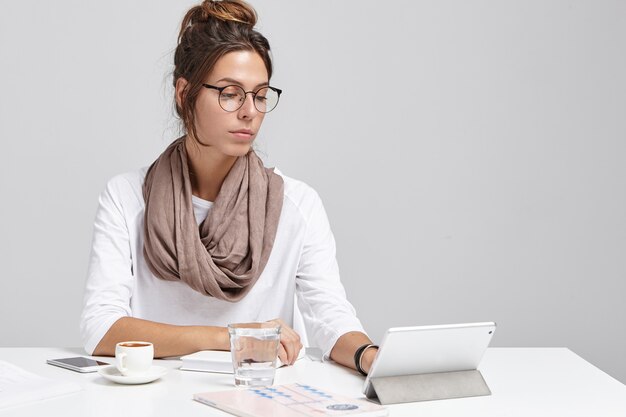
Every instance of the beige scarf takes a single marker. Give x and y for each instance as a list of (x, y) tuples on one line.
[(225, 255)]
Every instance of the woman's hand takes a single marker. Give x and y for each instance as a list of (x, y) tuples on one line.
[(290, 344)]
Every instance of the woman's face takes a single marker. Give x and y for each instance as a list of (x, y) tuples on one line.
[(231, 133)]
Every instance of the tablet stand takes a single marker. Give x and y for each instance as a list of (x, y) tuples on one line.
[(426, 387)]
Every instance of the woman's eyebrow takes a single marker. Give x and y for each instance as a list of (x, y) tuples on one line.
[(231, 80)]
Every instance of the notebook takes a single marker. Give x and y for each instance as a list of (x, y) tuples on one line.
[(287, 401), (216, 361)]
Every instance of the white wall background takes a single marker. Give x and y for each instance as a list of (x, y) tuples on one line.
[(470, 155)]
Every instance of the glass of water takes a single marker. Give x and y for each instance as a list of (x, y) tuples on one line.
[(254, 347)]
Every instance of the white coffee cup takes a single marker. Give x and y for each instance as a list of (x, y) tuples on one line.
[(134, 358)]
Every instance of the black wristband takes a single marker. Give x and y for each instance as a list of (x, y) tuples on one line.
[(358, 355)]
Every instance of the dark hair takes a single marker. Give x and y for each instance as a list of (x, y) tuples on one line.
[(208, 32)]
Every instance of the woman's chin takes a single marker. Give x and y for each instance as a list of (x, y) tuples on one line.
[(238, 149)]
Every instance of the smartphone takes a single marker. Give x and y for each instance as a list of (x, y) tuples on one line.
[(78, 364)]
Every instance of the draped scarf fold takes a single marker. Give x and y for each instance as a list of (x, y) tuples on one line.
[(224, 256)]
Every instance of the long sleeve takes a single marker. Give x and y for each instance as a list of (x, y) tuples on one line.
[(120, 284), (321, 296), (109, 283)]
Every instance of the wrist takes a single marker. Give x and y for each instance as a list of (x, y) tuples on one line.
[(212, 338), (223, 338), (368, 359), (361, 354)]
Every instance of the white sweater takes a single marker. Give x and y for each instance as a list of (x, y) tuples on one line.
[(302, 262)]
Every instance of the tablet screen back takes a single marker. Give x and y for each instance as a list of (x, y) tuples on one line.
[(428, 349)]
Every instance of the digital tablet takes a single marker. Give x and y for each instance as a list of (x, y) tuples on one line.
[(429, 349)]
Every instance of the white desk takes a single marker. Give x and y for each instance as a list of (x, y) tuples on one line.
[(524, 382)]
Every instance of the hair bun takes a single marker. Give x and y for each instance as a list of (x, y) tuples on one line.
[(212, 11), (226, 10)]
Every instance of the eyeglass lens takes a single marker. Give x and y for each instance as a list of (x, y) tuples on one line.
[(233, 97)]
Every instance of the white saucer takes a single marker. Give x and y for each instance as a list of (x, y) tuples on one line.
[(113, 374)]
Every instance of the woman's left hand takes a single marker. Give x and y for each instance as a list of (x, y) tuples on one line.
[(290, 344)]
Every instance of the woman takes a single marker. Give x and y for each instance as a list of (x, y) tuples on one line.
[(207, 235)]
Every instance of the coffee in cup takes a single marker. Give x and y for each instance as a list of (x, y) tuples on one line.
[(134, 344), (134, 358)]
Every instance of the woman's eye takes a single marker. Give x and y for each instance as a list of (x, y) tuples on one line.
[(229, 96), (261, 98)]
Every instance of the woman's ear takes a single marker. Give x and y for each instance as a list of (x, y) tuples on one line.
[(181, 87)]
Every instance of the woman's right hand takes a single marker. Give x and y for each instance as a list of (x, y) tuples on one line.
[(290, 344)]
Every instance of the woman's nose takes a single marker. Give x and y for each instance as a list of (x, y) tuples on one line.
[(248, 110)]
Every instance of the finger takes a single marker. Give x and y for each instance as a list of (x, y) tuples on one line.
[(287, 340), (290, 349), (296, 347), (282, 354), (291, 341)]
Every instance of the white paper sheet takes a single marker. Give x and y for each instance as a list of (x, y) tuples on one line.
[(19, 387)]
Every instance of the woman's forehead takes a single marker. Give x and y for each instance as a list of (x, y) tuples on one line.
[(245, 68)]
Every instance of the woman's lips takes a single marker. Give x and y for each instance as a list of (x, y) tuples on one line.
[(243, 134)]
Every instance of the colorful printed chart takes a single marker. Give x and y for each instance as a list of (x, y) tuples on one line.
[(288, 400)]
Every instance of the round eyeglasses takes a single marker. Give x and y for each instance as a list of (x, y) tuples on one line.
[(232, 97)]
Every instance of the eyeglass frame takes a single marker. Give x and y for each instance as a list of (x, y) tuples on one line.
[(254, 93)]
